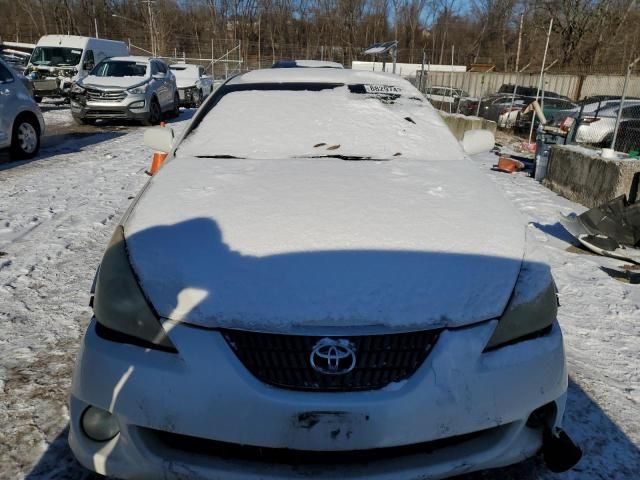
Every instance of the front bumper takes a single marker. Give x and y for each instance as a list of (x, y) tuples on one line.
[(133, 107), (186, 96), (205, 393)]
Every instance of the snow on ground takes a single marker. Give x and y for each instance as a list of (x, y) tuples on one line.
[(56, 217)]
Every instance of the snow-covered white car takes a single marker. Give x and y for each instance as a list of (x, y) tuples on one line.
[(194, 85), (317, 282), (21, 122)]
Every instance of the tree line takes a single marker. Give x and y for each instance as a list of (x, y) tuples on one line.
[(587, 35)]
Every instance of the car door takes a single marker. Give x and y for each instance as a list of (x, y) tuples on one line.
[(159, 86), (8, 103), (168, 83), (205, 81)]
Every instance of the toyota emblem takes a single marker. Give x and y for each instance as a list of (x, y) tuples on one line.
[(333, 356)]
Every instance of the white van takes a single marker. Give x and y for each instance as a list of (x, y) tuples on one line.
[(59, 60)]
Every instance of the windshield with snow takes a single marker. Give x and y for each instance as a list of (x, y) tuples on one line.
[(56, 56), (114, 68), (354, 122)]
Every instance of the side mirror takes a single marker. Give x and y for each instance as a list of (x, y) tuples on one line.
[(159, 139), (88, 66), (478, 141)]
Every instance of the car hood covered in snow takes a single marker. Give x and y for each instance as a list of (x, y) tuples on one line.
[(279, 245), (113, 82)]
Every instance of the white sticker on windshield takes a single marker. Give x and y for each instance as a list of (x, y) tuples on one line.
[(78, 52), (382, 89)]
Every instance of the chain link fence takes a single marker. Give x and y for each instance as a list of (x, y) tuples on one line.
[(599, 110)]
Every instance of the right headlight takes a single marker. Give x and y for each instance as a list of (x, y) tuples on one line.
[(119, 304), (75, 88), (140, 89), (532, 309)]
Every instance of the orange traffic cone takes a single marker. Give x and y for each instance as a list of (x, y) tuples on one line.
[(156, 162)]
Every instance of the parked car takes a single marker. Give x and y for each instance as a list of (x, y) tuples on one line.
[(628, 138), (597, 128), (21, 122), (553, 108), (194, 85), (16, 60), (445, 98), (306, 64), (526, 91), (468, 106), (59, 60), (487, 101), (126, 88), (288, 297), (504, 109)]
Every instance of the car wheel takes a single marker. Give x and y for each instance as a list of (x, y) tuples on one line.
[(176, 106), (79, 120), (155, 113), (606, 143), (25, 140)]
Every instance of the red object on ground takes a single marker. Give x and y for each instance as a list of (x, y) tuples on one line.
[(508, 165)]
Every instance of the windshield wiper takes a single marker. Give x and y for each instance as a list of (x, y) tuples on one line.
[(219, 156), (349, 157)]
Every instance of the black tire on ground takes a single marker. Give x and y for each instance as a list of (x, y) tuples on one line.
[(37, 98), (606, 143), (79, 120), (155, 113), (175, 111), (25, 138)]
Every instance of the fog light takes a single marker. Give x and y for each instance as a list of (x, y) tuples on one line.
[(138, 104), (99, 425)]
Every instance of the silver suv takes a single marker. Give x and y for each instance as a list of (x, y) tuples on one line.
[(21, 122), (127, 88)]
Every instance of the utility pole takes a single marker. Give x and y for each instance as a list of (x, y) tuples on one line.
[(544, 60), (519, 42), (151, 33), (95, 20)]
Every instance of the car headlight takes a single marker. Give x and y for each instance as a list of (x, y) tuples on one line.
[(119, 304), (532, 309), (139, 89), (75, 88)]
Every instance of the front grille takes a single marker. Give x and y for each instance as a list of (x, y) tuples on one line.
[(285, 456), (94, 95), (106, 114), (285, 360)]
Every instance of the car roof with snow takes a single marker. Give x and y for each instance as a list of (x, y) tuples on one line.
[(319, 75), (306, 64), (130, 58), (184, 66)]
